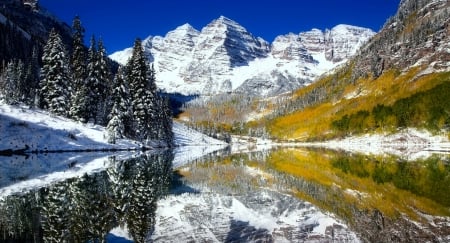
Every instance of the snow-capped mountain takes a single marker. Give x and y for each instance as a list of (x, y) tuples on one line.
[(225, 57)]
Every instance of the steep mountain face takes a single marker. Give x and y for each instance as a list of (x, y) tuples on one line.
[(419, 34), (225, 57)]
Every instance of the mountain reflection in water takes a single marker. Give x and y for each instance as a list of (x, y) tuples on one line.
[(308, 195)]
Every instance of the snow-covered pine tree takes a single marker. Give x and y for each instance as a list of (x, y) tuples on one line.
[(13, 86), (32, 77), (54, 88), (143, 91), (97, 81), (78, 109), (120, 115), (104, 84), (8, 84), (164, 126), (91, 81)]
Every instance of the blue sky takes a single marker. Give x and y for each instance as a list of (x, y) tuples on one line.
[(119, 22)]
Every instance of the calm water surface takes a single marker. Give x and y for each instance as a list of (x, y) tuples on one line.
[(285, 195)]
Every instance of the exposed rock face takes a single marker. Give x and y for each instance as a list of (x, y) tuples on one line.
[(419, 34), (225, 57)]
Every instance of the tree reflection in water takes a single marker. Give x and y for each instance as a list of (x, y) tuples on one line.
[(87, 208)]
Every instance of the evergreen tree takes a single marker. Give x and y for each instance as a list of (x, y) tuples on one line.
[(32, 77), (120, 114), (164, 126), (8, 84), (78, 67), (104, 84), (152, 120), (143, 91), (98, 78), (54, 91), (91, 81), (14, 86)]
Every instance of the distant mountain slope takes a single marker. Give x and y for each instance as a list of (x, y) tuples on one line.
[(24, 25), (399, 79), (225, 57)]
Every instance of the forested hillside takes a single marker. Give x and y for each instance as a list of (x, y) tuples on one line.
[(47, 66)]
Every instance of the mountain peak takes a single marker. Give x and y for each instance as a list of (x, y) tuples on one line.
[(224, 19), (345, 29), (225, 57), (225, 22), (186, 28)]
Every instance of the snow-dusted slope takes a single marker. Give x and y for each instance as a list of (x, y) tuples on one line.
[(225, 57), (192, 145), (42, 131)]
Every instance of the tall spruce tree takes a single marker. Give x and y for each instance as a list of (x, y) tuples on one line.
[(32, 77), (151, 116), (91, 82), (143, 91), (78, 109), (104, 84), (166, 115), (120, 115), (54, 88), (13, 85)]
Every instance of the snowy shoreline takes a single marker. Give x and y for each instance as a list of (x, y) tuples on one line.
[(409, 144), (26, 131), (40, 148)]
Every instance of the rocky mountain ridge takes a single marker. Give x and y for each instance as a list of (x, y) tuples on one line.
[(225, 57), (418, 35)]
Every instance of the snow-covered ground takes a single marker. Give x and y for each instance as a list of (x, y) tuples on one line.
[(192, 145), (246, 144), (42, 131), (409, 144)]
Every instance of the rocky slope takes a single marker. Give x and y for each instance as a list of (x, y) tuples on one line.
[(418, 35), (225, 57)]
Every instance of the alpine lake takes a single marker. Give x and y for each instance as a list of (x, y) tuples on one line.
[(278, 195)]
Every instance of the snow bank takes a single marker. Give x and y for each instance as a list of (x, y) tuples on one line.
[(191, 145), (42, 131), (409, 144), (185, 136)]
